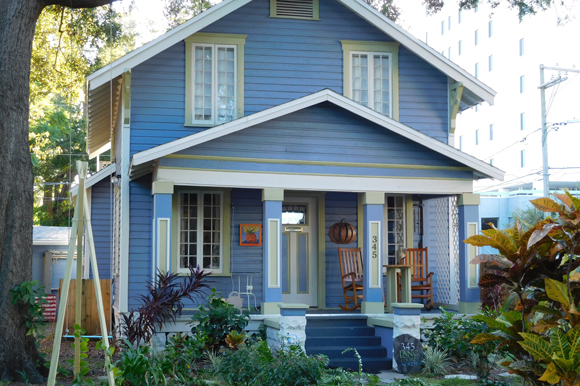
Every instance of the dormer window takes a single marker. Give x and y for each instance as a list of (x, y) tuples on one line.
[(214, 79), (295, 9), (371, 75)]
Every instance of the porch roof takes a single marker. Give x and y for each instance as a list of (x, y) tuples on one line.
[(143, 162)]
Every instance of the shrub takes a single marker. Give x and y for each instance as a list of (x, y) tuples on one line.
[(162, 304), (217, 319), (541, 267), (256, 365), (435, 361)]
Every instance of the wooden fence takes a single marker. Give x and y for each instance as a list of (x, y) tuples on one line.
[(89, 313)]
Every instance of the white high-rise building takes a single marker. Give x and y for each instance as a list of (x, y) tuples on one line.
[(506, 55)]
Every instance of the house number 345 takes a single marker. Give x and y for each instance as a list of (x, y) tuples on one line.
[(375, 247)]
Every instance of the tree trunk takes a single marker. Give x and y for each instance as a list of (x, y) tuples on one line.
[(17, 22)]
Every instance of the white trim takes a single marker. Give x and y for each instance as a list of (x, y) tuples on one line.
[(124, 219), (278, 253), (220, 10), (163, 42), (288, 181), (379, 267), (307, 101), (97, 177), (50, 242)]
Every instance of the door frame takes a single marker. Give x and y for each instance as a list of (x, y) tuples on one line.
[(321, 233)]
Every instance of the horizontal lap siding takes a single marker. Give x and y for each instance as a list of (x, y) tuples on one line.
[(423, 96), (322, 133), (101, 221), (338, 206), (140, 220)]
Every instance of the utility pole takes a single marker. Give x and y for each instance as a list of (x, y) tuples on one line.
[(543, 86)]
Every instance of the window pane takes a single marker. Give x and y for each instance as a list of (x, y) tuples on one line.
[(187, 234), (226, 100), (381, 83), (202, 83), (360, 78)]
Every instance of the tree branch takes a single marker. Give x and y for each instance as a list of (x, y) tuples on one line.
[(80, 3)]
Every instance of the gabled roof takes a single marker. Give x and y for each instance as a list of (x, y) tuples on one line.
[(97, 177), (475, 91), (142, 162)]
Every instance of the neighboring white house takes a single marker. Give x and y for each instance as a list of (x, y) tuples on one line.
[(506, 54)]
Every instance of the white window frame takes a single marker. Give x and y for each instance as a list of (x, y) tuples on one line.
[(200, 194), (214, 108), (371, 76)]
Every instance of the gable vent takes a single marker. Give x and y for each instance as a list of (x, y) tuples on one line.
[(295, 9)]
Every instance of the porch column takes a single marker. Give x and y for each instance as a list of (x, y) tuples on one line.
[(162, 210), (469, 300), (372, 303), (272, 230)]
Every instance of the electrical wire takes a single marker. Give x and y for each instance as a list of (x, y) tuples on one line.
[(503, 183)]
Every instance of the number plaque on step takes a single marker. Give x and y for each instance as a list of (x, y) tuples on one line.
[(408, 353)]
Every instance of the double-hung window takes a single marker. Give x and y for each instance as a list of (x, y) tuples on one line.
[(214, 83), (214, 78), (371, 75), (201, 231), (371, 80)]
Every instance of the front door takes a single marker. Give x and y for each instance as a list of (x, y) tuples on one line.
[(299, 251)]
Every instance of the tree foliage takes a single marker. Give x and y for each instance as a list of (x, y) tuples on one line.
[(68, 45), (178, 11)]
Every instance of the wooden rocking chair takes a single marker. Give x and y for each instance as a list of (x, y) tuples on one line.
[(421, 278), (351, 274)]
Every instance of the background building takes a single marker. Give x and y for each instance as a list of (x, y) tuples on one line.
[(506, 54)]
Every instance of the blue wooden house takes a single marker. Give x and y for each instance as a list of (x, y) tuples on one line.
[(280, 118)]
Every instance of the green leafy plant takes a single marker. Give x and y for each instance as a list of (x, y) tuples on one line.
[(410, 382), (30, 296), (217, 319), (436, 361), (234, 339), (540, 266), (81, 378), (257, 365), (137, 367)]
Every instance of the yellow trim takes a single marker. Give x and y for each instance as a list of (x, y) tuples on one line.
[(373, 198), (316, 163), (210, 38), (369, 46), (455, 93), (163, 242), (313, 174), (409, 220), (272, 194), (298, 264), (315, 11), (360, 220), (321, 257), (273, 253), (468, 199), (226, 236)]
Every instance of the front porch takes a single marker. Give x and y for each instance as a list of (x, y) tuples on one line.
[(293, 259)]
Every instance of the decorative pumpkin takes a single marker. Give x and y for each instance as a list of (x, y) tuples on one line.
[(342, 233)]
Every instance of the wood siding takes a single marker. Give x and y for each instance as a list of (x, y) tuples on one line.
[(284, 59)]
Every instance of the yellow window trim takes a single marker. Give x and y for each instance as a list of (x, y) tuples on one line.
[(226, 226), (315, 11), (387, 47), (210, 38)]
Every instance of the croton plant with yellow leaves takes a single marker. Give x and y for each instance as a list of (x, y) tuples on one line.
[(541, 269)]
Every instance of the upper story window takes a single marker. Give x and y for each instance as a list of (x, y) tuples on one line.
[(490, 28), (490, 63), (442, 27), (371, 75), (522, 84), (459, 48), (461, 142), (459, 17), (491, 132), (477, 137), (522, 121), (477, 70), (476, 37), (291, 9), (522, 47), (449, 23), (214, 78)]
